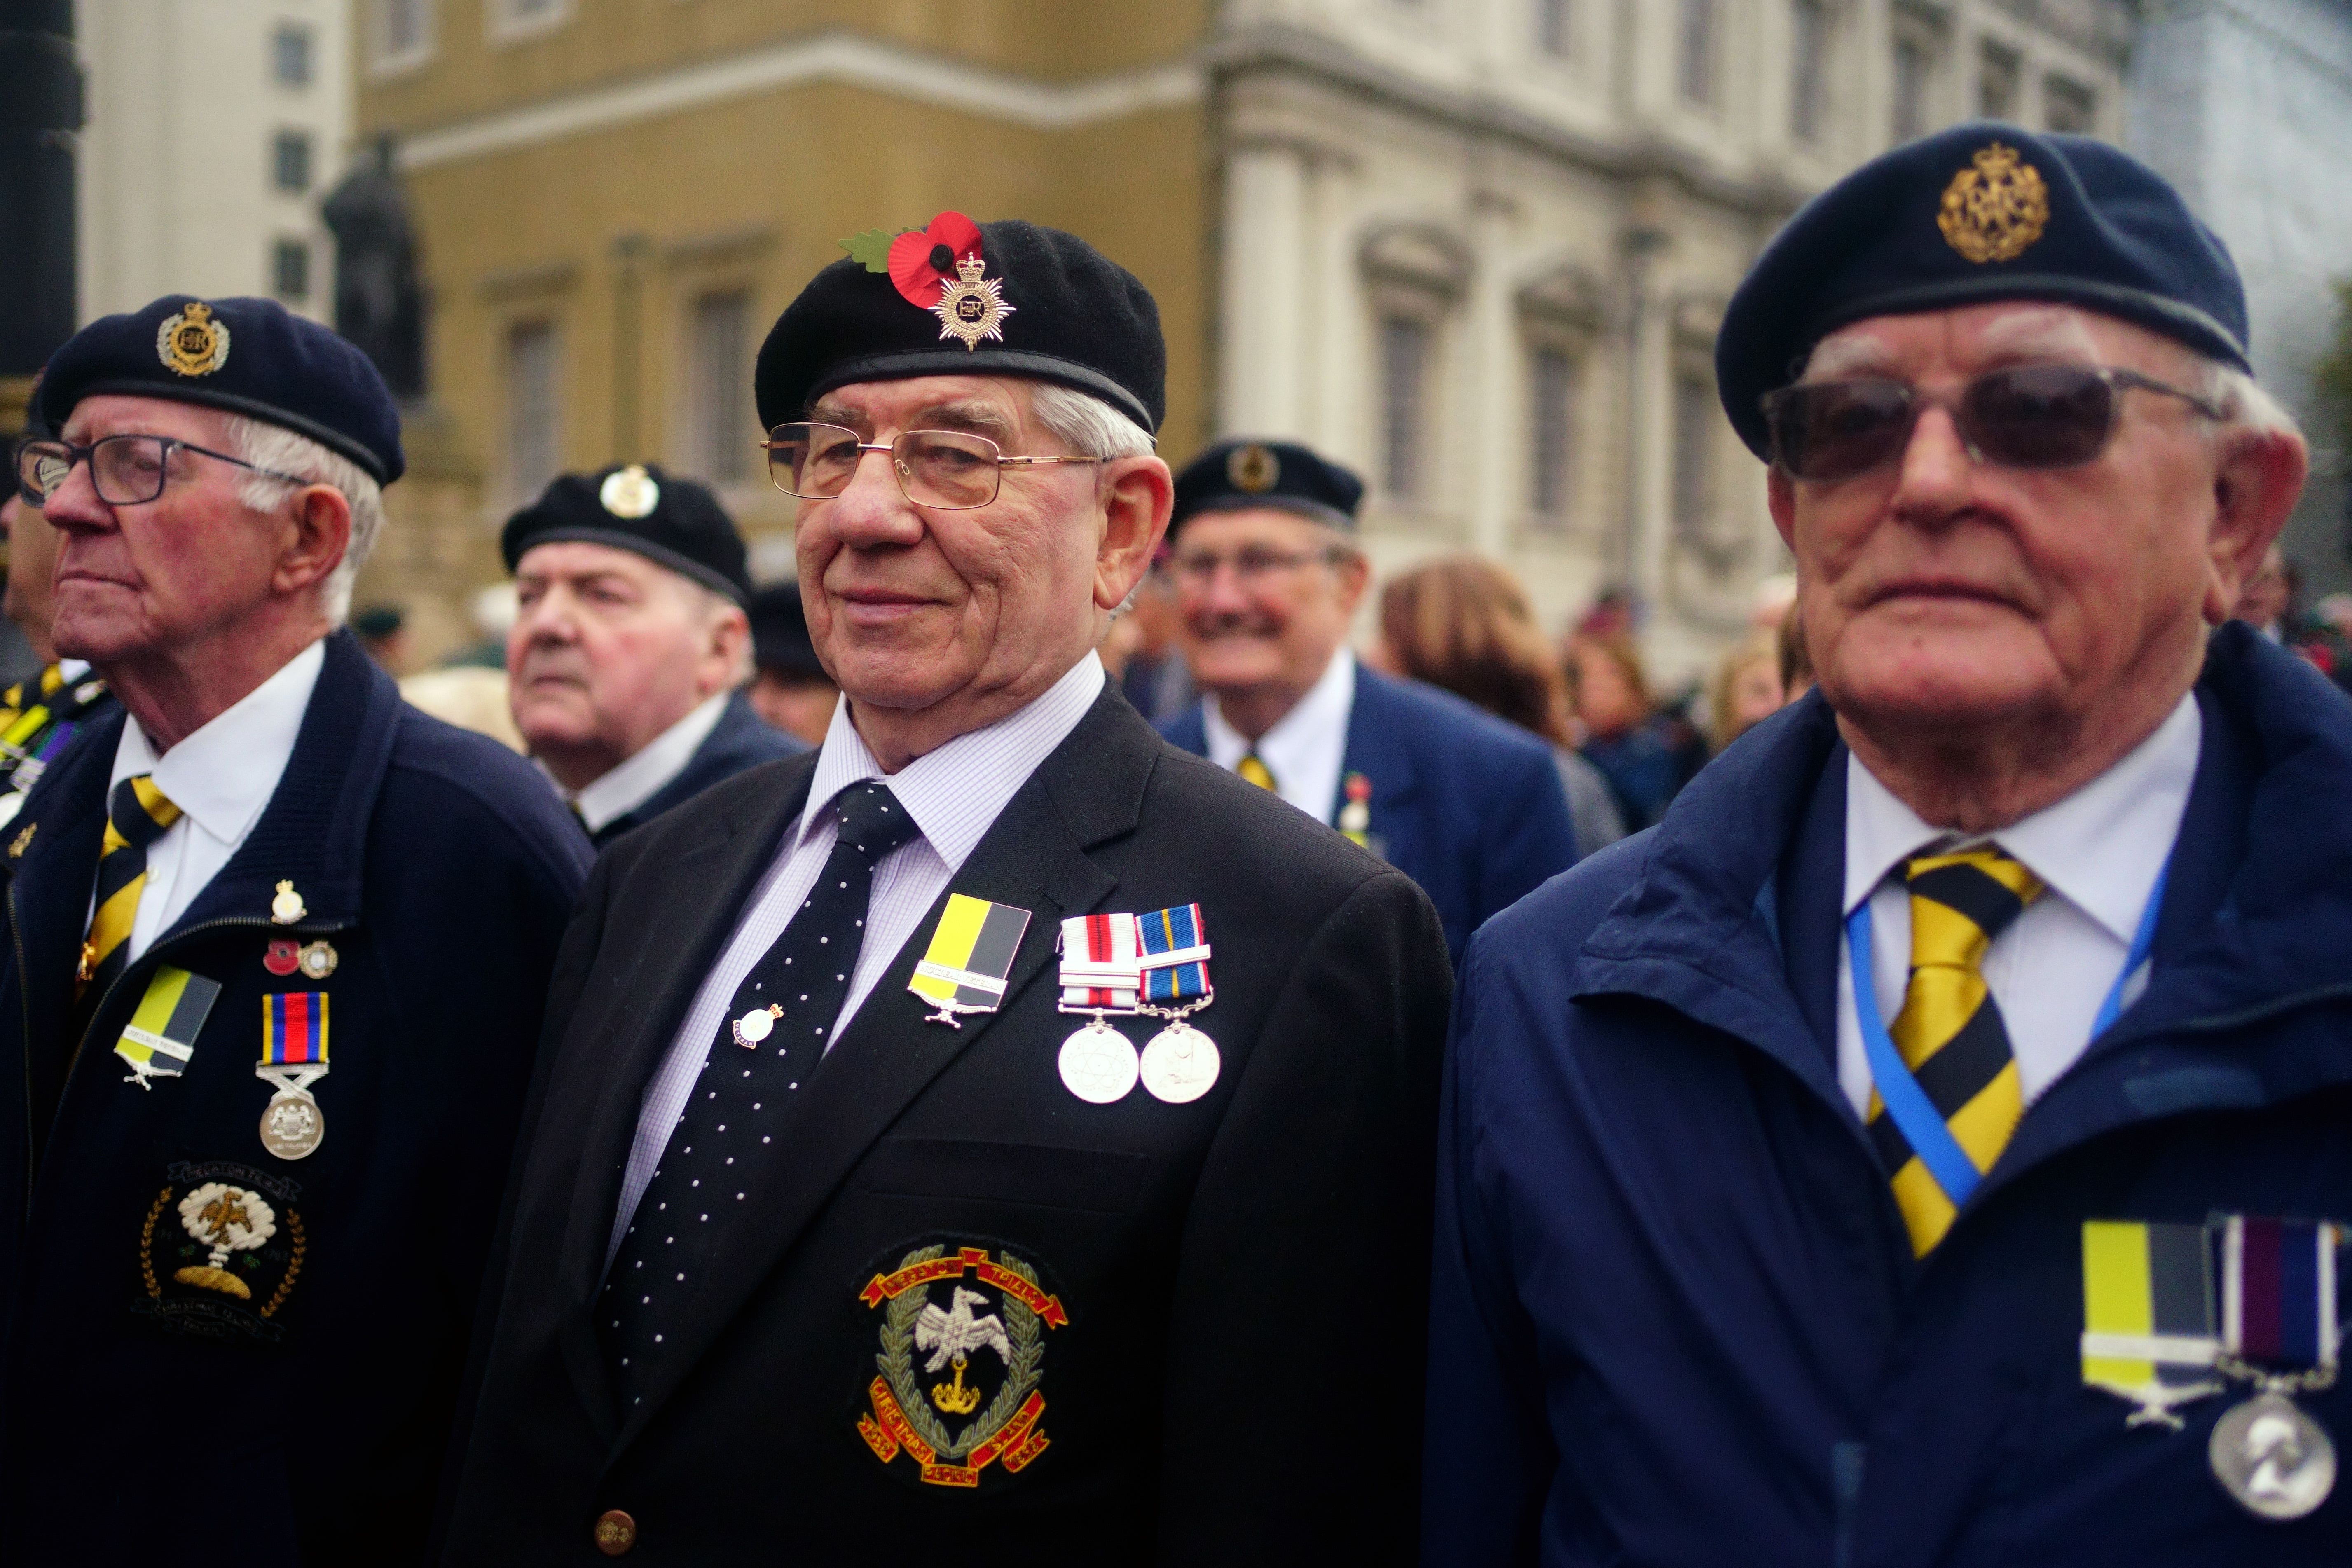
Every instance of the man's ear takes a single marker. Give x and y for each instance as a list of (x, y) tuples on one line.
[(1780, 495), (1355, 570), (2255, 485), (1138, 494), (317, 533)]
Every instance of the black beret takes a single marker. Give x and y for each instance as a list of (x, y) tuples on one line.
[(380, 621), (780, 633), (1238, 474), (1979, 213), (253, 357), (1065, 313), (673, 523)]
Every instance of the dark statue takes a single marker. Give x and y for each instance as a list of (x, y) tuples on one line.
[(378, 305)]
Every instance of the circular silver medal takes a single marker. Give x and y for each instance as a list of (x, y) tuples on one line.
[(1098, 1064), (1180, 1063), (293, 1126), (2270, 1457)]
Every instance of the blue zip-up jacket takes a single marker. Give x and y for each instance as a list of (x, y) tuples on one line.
[(1675, 1320), (740, 740)]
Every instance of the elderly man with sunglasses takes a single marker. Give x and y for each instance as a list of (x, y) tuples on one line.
[(278, 949), (853, 1215), (1930, 1143)]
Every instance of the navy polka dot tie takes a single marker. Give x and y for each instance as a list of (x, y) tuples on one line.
[(768, 1044)]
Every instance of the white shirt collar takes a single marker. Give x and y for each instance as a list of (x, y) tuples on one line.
[(1306, 746), (658, 761), (222, 775), (955, 792), (2101, 847)]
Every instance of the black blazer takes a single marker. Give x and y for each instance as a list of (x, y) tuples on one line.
[(1237, 1378), (740, 740)]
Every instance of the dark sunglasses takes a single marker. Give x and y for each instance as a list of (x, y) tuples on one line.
[(2031, 417)]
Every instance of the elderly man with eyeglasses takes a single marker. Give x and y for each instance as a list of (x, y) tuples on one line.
[(1268, 575), (278, 951), (1929, 1144), (999, 1129)]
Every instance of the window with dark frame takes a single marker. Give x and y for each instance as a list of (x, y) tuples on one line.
[(1404, 375), (1552, 20), (2068, 107), (1808, 47), (531, 406), (1999, 74), (289, 270), (289, 160), (1552, 445), (1912, 66), (290, 55), (721, 414), (1696, 54), (1696, 414), (406, 27)]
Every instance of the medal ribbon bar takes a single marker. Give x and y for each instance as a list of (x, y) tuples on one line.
[(1176, 954), (1102, 963), (971, 953), (166, 1024)]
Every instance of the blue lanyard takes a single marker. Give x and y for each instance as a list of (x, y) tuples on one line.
[(1905, 1101)]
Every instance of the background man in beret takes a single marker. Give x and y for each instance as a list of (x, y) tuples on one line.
[(791, 690), (851, 1269), (278, 948), (1910, 1151), (1268, 577), (630, 643)]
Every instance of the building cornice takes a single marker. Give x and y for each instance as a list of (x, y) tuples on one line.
[(841, 60)]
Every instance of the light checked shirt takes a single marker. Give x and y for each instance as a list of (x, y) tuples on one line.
[(220, 777), (657, 762), (1307, 746), (954, 794), (2098, 852)]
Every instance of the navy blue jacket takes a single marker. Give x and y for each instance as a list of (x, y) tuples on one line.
[(302, 1413), (1468, 807), (1675, 1320), (740, 740)]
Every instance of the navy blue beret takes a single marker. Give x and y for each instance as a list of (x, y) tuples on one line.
[(253, 357), (1067, 314), (1238, 474), (670, 522), (1979, 213), (780, 633)]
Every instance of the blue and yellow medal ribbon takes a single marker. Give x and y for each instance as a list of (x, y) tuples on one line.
[(971, 953), (1175, 954)]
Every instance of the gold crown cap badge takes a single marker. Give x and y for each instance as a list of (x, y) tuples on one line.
[(193, 343), (972, 307), (1995, 207)]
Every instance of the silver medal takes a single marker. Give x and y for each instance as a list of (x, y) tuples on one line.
[(1098, 1064), (2270, 1457), (293, 1126), (1180, 1063)]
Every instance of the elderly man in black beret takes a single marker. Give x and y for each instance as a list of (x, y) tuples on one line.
[(853, 1213), (1927, 1145), (630, 644), (278, 950)]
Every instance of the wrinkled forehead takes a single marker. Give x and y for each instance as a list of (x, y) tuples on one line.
[(578, 560), (992, 405), (1265, 527), (1983, 337), (112, 414)]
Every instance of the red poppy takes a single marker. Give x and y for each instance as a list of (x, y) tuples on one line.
[(923, 260), (282, 957)]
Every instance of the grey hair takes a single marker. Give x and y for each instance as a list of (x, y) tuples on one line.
[(1087, 425), (284, 451), (2244, 403)]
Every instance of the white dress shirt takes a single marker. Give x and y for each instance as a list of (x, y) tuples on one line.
[(639, 779), (220, 777), (2098, 853), (954, 794), (1307, 747)]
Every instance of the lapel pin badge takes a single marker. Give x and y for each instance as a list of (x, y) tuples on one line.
[(288, 906)]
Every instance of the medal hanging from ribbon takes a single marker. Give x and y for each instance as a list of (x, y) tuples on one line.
[(1154, 964), (1179, 1062), (2148, 1333), (161, 1034), (971, 953), (293, 1057)]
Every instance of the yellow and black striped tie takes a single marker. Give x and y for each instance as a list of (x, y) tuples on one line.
[(1949, 1031), (1252, 768), (137, 817)]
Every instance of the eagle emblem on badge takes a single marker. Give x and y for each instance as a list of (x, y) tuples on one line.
[(962, 1343), (1995, 207), (191, 343), (220, 1251), (972, 307)]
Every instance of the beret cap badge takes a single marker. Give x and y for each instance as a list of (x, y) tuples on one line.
[(1254, 468), (972, 307), (629, 492), (191, 343), (1996, 207)]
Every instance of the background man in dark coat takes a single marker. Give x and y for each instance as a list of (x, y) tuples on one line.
[(630, 644), (278, 949), (1268, 575), (1926, 1144), (791, 691), (859, 1269)]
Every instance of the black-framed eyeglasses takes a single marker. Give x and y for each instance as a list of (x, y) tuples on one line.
[(125, 470), (1196, 569), (946, 470), (2027, 416)]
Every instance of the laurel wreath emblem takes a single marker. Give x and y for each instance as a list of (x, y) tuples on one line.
[(896, 1361)]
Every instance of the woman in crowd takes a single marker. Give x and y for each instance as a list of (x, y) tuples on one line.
[(1463, 625), (1746, 688), (1624, 736)]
